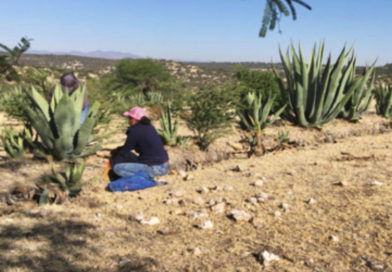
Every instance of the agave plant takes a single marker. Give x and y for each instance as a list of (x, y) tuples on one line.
[(255, 117), (384, 100), (360, 101), (13, 143), (58, 123), (316, 94), (68, 182), (169, 130)]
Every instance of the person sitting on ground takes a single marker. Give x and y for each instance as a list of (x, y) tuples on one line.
[(70, 83), (144, 139)]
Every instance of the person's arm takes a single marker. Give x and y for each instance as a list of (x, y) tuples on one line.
[(129, 144)]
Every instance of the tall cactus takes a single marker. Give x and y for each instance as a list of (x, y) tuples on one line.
[(384, 100), (169, 130), (254, 116), (316, 94), (360, 101), (58, 123)]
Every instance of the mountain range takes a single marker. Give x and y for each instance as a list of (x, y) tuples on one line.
[(92, 54)]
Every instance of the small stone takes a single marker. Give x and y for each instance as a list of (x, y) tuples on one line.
[(197, 215), (182, 173), (153, 221), (267, 257), (119, 207), (236, 146), (203, 190), (178, 193), (124, 261), (258, 183), (284, 206), (9, 220), (334, 238), (257, 222), (172, 200), (188, 177), (219, 208), (216, 188), (205, 225), (211, 202), (165, 231), (239, 215), (376, 183), (196, 251), (342, 183), (292, 173), (277, 213), (198, 200), (228, 188), (311, 201), (253, 200), (238, 169), (219, 199)]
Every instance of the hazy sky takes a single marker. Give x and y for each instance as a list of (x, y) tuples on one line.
[(198, 30)]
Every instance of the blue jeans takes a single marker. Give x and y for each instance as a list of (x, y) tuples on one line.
[(83, 116), (130, 168)]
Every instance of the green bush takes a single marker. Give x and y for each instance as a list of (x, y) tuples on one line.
[(260, 82), (210, 115), (14, 102)]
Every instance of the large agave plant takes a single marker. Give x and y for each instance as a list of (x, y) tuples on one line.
[(362, 96), (58, 123), (255, 117), (384, 100), (316, 94)]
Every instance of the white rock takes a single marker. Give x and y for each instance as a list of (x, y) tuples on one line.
[(267, 257), (119, 207), (196, 251), (311, 201), (197, 215), (188, 177), (8, 220), (171, 200), (211, 202), (139, 216), (253, 200), (203, 190), (334, 238), (178, 193), (284, 206), (219, 208), (257, 222), (376, 183), (182, 173), (228, 188), (239, 215), (153, 221), (205, 225), (198, 200), (258, 183), (124, 261), (277, 213)]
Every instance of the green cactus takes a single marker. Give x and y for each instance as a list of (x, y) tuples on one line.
[(363, 94), (69, 180), (384, 100), (255, 117), (169, 130), (154, 98), (316, 94), (13, 142), (58, 123)]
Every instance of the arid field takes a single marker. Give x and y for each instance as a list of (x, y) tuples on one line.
[(322, 202)]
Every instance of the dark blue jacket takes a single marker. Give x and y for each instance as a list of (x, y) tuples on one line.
[(145, 140)]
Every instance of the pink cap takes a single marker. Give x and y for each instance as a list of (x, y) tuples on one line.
[(136, 113)]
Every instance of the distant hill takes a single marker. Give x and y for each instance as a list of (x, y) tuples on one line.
[(92, 54)]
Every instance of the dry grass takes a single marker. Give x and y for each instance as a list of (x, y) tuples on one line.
[(96, 231)]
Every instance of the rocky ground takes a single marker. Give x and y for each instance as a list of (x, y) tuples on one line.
[(321, 203)]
